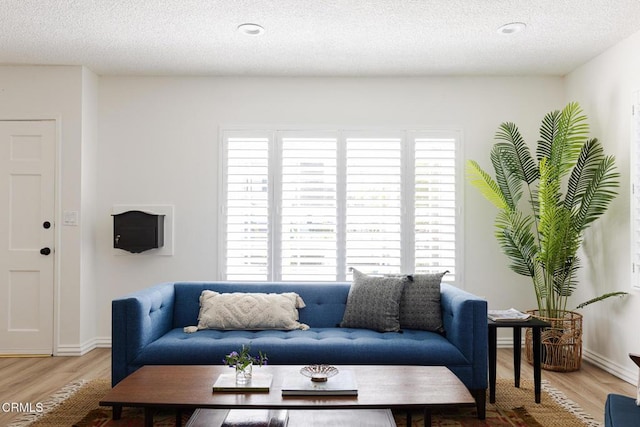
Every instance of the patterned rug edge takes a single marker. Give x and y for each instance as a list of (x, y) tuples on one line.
[(561, 399), (53, 401), (72, 388)]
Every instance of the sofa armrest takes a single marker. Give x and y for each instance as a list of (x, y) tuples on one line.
[(465, 322), (137, 320)]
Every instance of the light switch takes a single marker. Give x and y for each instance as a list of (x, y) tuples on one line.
[(70, 218)]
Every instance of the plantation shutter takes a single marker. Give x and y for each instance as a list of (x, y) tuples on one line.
[(247, 207), (308, 213), (435, 204), (635, 192), (374, 204), (306, 205)]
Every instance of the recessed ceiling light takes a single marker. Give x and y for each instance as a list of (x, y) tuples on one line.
[(512, 28), (251, 29)]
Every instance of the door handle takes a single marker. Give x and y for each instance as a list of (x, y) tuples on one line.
[(45, 251)]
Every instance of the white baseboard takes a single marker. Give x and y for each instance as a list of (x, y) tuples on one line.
[(507, 342), (630, 376), (103, 342), (82, 349)]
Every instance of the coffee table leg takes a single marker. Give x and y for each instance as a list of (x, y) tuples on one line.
[(409, 420), (427, 417), (148, 417), (178, 417), (117, 412)]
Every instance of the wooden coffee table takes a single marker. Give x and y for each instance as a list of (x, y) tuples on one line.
[(379, 387)]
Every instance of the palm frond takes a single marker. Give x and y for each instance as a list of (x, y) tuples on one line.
[(601, 297), (485, 184), (571, 134), (590, 157), (598, 194), (508, 180), (564, 279), (548, 198), (548, 131), (558, 241), (516, 152), (539, 285), (513, 232)]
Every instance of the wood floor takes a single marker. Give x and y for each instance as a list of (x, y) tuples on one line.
[(31, 380)]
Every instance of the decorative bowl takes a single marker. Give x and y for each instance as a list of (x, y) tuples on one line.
[(319, 373)]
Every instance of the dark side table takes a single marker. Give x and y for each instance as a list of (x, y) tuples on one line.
[(536, 325)]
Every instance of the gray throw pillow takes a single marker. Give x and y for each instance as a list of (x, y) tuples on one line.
[(373, 303), (420, 303)]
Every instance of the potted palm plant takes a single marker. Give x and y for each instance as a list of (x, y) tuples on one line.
[(544, 206)]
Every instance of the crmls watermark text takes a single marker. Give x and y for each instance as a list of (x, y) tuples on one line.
[(22, 407)]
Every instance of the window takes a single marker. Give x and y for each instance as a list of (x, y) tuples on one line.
[(435, 204), (247, 207), (308, 219), (374, 203), (307, 205)]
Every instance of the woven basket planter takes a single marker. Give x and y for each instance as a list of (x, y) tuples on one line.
[(561, 344)]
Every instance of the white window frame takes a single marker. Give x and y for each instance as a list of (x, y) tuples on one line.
[(408, 261)]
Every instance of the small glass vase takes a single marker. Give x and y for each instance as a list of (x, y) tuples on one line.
[(243, 374)]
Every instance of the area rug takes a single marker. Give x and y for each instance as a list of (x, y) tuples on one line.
[(77, 405)]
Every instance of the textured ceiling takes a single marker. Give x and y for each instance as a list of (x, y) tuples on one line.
[(313, 37)]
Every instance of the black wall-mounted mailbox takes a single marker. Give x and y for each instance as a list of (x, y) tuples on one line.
[(137, 231)]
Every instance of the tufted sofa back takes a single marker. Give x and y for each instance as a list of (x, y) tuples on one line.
[(325, 302)]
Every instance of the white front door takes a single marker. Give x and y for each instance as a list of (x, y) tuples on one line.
[(27, 202)]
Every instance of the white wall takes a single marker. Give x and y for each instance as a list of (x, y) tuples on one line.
[(89, 197), (604, 87), (56, 93), (158, 144), (146, 141)]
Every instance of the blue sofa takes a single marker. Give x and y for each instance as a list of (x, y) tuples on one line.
[(147, 329), (621, 411)]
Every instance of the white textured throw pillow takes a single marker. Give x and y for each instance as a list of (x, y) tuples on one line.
[(250, 311)]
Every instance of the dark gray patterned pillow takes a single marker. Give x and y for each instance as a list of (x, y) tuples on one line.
[(420, 303), (373, 303)]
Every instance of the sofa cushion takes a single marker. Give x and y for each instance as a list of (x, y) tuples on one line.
[(420, 303), (338, 346), (373, 303), (238, 310), (621, 411)]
